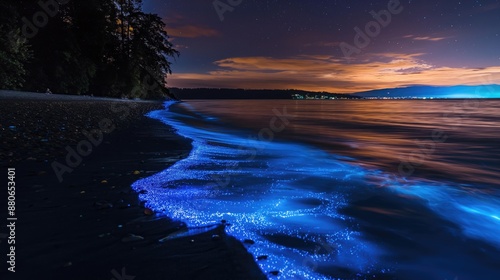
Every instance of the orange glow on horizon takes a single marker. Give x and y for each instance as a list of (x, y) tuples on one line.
[(326, 73)]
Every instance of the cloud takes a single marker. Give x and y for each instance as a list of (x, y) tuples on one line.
[(177, 27), (323, 44), (323, 73), (489, 7), (429, 38), (180, 47), (191, 31), (425, 38)]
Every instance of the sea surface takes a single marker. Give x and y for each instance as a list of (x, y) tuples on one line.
[(342, 189)]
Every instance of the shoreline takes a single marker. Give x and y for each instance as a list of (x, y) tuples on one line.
[(93, 226)]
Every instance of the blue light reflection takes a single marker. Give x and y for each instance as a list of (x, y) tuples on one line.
[(286, 197)]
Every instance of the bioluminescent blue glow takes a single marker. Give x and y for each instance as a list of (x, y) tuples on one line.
[(289, 198), (474, 95), (476, 213)]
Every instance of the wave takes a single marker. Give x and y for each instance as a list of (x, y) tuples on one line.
[(311, 214)]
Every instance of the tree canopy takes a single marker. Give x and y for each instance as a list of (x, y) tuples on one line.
[(99, 47), (14, 50)]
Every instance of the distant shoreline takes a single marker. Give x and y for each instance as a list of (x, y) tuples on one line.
[(226, 94)]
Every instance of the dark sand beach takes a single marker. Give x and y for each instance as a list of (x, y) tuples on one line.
[(92, 224)]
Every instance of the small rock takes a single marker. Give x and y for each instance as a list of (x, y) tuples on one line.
[(104, 235), (260, 258), (104, 181), (249, 241), (132, 238), (148, 212), (137, 172), (215, 237), (274, 272), (100, 205)]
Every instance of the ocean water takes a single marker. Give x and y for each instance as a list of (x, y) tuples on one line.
[(344, 189)]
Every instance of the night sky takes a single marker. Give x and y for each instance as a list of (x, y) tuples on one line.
[(285, 44)]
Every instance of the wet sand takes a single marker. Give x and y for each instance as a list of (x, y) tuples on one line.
[(92, 225)]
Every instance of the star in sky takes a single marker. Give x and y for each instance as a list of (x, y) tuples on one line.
[(297, 44)]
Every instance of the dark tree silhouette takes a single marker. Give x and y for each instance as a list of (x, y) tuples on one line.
[(99, 47), (14, 50)]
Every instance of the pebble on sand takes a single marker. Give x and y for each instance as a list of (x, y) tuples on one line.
[(132, 238), (148, 212), (215, 237)]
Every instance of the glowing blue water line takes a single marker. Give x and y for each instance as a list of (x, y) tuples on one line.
[(477, 214), (264, 197), (294, 191)]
